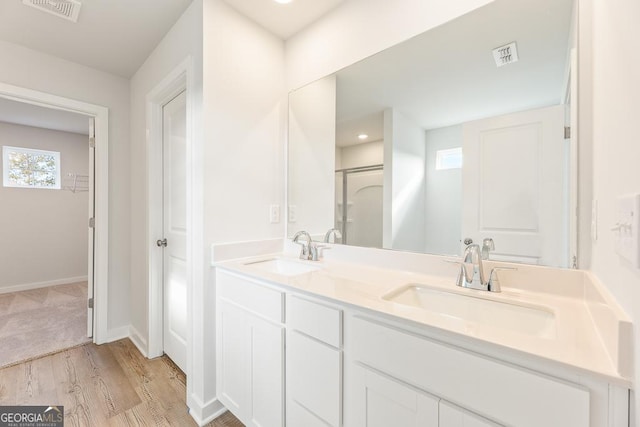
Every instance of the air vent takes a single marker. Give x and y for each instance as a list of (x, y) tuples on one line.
[(67, 9), (507, 54)]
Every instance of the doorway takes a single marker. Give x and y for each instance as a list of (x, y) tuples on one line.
[(174, 239), (171, 233), (48, 172)]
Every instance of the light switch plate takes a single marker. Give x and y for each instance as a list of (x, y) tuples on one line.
[(293, 213), (626, 229), (274, 214)]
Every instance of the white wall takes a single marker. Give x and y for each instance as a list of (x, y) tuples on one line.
[(404, 174), (245, 126), (443, 194), (24, 67), (367, 154), (311, 177), (44, 232), (616, 139), (344, 35), (184, 39)]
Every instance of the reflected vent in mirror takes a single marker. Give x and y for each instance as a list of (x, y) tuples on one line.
[(66, 9), (506, 54)]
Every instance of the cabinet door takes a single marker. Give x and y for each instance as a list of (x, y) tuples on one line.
[(267, 373), (233, 350), (314, 372), (384, 402), (452, 416)]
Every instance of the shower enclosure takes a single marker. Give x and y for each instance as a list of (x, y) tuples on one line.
[(358, 210)]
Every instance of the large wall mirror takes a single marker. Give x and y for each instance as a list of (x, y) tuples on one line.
[(459, 134)]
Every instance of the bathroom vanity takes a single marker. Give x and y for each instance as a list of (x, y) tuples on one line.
[(366, 337)]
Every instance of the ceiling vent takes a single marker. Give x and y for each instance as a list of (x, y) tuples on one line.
[(507, 54), (67, 9)]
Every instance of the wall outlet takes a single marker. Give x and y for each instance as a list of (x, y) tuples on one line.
[(293, 215), (626, 228), (274, 214)]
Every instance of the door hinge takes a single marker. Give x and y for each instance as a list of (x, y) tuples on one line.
[(567, 132), (90, 303), (92, 142), (92, 223)]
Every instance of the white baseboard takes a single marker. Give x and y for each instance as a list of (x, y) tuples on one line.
[(204, 413), (116, 334), (37, 285), (138, 340)]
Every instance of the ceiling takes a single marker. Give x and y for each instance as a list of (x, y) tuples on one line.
[(115, 36), (32, 115), (283, 20), (447, 75)]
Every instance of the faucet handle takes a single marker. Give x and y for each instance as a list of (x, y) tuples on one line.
[(487, 245), (494, 282), (315, 251)]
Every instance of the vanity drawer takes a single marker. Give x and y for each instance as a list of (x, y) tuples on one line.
[(316, 320), (252, 296), (499, 391)]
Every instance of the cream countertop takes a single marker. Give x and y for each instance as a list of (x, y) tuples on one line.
[(584, 318)]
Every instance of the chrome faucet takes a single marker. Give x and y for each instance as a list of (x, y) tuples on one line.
[(305, 250), (336, 235), (472, 272), (487, 246)]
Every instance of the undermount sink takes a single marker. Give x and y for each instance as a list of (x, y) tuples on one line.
[(283, 267), (522, 318)]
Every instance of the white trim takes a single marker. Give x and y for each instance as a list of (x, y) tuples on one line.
[(101, 251), (45, 284), (115, 334), (204, 413), (175, 82), (138, 340)]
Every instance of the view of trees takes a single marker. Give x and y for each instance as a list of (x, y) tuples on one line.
[(31, 169)]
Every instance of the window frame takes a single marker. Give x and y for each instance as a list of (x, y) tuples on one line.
[(442, 155), (6, 182)]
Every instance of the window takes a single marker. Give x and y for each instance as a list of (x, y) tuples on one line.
[(449, 159), (28, 168)]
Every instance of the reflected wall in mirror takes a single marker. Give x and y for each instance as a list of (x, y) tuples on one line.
[(437, 141)]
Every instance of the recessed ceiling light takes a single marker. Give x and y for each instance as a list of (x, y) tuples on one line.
[(283, 1), (363, 136)]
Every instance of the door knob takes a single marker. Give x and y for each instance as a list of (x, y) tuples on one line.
[(162, 243), (467, 241)]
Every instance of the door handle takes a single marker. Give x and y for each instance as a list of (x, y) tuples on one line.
[(161, 243)]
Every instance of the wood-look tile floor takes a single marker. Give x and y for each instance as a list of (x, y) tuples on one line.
[(108, 385)]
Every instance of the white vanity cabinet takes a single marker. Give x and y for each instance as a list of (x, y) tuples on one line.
[(493, 392), (382, 401), (288, 357), (250, 350), (452, 416), (314, 363)]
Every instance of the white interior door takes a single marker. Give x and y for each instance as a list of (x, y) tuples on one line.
[(514, 182), (92, 210), (174, 116)]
